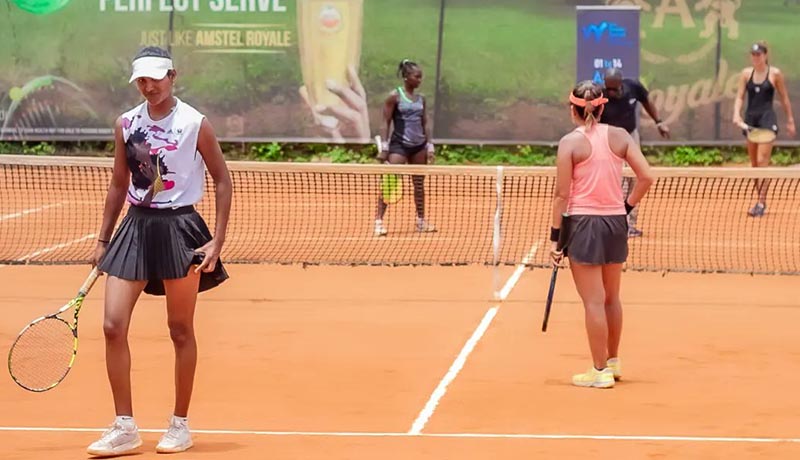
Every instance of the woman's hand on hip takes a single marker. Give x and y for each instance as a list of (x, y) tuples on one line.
[(210, 252)]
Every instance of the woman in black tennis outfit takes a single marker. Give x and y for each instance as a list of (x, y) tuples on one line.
[(759, 83), (163, 246), (404, 115)]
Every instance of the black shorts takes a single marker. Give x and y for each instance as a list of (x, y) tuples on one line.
[(597, 240), (764, 120), (397, 147), (158, 244)]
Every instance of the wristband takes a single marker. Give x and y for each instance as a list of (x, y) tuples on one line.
[(628, 207), (103, 241), (555, 233)]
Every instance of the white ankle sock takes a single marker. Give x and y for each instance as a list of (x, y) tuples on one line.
[(125, 420)]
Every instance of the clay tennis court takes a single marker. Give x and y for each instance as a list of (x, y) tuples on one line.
[(367, 362)]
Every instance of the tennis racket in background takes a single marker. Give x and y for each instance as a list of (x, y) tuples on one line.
[(391, 184), (561, 245), (378, 144), (46, 106), (45, 350), (760, 135)]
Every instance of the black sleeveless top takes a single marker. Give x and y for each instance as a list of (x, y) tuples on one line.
[(759, 95)]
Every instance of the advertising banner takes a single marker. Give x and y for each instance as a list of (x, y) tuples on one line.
[(608, 37), (321, 70)]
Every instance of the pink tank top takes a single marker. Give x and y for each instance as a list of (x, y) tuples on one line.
[(597, 181)]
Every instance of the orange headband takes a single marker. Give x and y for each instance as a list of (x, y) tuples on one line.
[(582, 102)]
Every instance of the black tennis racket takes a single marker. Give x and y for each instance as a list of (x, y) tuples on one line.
[(560, 246), (44, 352)]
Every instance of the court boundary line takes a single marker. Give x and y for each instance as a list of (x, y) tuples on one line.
[(55, 247), (441, 389), (26, 212), (514, 278), (371, 434), (452, 372)]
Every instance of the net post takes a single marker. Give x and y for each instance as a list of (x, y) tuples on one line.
[(496, 234)]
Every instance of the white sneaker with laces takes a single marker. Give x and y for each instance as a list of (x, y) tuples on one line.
[(423, 226), (380, 230), (177, 438), (121, 438)]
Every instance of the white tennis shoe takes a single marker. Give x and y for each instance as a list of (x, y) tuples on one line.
[(121, 438), (177, 438), (423, 226), (380, 230)]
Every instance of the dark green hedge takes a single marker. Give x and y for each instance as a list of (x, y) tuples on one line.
[(446, 154)]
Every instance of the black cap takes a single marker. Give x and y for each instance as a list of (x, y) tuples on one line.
[(758, 48)]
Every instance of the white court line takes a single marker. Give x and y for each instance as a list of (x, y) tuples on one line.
[(461, 359), (55, 248), (455, 368), (29, 211), (421, 237), (512, 281), (369, 434)]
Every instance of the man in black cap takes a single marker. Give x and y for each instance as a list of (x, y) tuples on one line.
[(620, 110)]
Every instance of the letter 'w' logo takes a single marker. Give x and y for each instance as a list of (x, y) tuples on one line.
[(614, 33)]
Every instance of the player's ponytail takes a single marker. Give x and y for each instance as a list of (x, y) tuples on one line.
[(405, 68), (588, 114), (587, 100)]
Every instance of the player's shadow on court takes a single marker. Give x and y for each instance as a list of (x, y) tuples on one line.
[(578, 357), (213, 447), (148, 447), (565, 382), (131, 455)]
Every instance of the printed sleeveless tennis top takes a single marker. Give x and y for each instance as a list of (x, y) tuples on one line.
[(166, 169)]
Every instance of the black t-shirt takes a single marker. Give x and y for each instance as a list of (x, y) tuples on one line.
[(621, 112)]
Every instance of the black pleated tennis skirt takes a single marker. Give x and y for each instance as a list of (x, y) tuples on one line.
[(598, 240), (154, 245)]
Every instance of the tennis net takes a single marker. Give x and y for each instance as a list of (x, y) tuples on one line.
[(693, 219)]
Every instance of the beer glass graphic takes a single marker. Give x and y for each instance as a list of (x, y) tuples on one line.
[(330, 42)]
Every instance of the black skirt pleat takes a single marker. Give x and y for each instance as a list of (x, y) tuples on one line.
[(159, 244), (598, 240)]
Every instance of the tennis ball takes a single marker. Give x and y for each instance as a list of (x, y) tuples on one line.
[(40, 6), (15, 93)]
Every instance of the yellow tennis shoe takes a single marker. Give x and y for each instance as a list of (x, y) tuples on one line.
[(616, 367), (594, 378)]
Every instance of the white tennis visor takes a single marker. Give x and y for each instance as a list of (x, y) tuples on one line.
[(151, 67)]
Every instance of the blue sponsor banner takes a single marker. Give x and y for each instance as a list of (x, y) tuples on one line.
[(608, 37)]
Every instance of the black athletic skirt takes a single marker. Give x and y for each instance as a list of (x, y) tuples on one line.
[(395, 146), (764, 120), (598, 240), (158, 244)]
